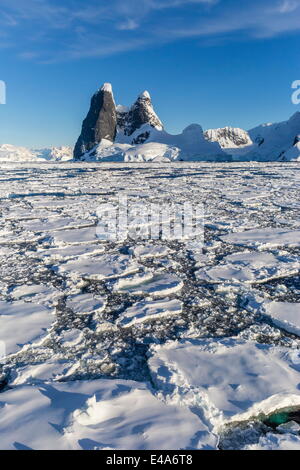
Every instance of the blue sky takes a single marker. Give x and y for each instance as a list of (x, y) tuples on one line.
[(213, 62)]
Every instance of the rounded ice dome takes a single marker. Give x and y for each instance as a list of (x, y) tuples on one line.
[(193, 129)]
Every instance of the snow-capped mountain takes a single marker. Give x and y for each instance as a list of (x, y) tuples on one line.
[(108, 122), (140, 113), (277, 141), (13, 153), (229, 137), (268, 142), (118, 133), (100, 122)]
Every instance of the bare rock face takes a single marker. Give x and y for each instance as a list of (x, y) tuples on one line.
[(100, 122), (140, 113)]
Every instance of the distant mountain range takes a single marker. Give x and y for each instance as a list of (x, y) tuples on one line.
[(113, 132), (22, 154)]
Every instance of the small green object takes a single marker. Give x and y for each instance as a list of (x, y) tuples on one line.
[(278, 418)]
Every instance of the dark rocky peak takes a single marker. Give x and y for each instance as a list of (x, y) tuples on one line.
[(100, 122), (142, 112)]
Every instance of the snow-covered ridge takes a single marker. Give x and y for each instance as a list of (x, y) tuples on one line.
[(267, 142), (228, 137)]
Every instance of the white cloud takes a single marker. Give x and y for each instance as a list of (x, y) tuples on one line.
[(99, 27)]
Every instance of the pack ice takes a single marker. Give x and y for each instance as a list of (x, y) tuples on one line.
[(140, 343)]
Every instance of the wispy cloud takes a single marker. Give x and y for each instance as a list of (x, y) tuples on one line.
[(37, 29), (287, 6)]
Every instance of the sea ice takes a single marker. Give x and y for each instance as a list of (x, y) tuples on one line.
[(285, 315), (149, 310), (276, 442), (266, 237), (100, 267), (250, 267), (159, 285), (23, 323), (84, 304), (232, 380), (75, 236)]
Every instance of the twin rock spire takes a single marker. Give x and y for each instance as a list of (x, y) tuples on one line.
[(104, 120)]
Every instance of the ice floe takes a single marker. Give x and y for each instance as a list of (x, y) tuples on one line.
[(100, 267), (149, 310), (57, 223), (250, 267), (268, 237), (285, 315), (23, 323), (71, 337), (149, 251), (72, 251), (76, 237), (232, 380), (159, 285), (38, 293), (84, 304)]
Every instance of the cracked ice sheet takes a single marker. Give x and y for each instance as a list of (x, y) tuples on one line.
[(23, 323), (250, 267), (99, 414), (230, 379), (100, 267), (222, 188)]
